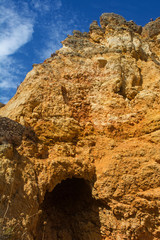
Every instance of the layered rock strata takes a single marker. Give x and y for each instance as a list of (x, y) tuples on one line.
[(87, 125)]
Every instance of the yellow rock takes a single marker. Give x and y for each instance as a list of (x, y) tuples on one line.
[(87, 163)]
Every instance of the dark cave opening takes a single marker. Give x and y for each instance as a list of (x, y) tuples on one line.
[(69, 213)]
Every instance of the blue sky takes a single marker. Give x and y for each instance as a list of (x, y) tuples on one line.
[(30, 30)]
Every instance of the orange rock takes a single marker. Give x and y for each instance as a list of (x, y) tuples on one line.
[(89, 168)]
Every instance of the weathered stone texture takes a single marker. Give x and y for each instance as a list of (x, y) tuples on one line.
[(1, 105), (10, 131), (94, 111), (152, 28)]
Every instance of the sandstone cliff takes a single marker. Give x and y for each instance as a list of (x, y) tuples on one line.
[(79, 141)]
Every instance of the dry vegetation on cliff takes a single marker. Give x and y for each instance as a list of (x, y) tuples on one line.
[(80, 140)]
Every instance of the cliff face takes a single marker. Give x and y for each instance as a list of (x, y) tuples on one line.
[(79, 142)]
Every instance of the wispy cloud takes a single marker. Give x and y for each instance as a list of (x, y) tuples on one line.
[(44, 6), (16, 30), (49, 20), (56, 33), (41, 6), (55, 29), (4, 99), (57, 4), (9, 67), (11, 71), (61, 25)]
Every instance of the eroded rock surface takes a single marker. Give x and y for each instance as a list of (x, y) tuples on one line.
[(1, 105), (87, 162)]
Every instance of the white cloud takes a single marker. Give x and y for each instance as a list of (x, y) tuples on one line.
[(10, 71), (44, 6), (6, 77), (57, 31), (4, 99), (55, 36), (17, 20), (14, 38), (15, 31), (41, 6), (11, 74)]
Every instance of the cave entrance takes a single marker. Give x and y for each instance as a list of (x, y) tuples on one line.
[(69, 213)]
